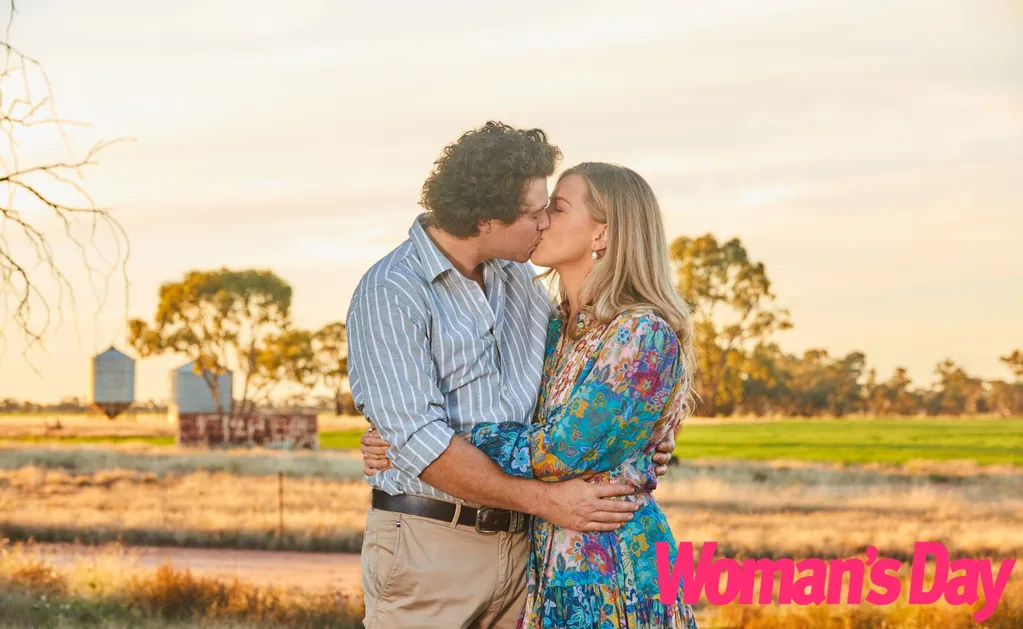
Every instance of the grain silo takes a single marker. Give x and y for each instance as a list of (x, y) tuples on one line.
[(190, 392), (112, 382)]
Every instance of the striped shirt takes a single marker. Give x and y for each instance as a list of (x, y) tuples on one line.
[(430, 354)]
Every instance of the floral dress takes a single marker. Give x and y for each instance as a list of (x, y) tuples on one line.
[(606, 401)]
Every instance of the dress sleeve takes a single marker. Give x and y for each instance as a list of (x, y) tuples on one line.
[(610, 413)]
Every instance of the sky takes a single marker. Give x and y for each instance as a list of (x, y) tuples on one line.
[(870, 154)]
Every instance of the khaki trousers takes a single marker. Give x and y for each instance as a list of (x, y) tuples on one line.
[(418, 572)]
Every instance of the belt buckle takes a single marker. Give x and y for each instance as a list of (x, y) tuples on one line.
[(476, 525)]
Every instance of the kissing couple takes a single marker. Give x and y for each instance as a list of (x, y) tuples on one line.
[(520, 422)]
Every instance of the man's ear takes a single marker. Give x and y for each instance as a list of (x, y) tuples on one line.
[(486, 226)]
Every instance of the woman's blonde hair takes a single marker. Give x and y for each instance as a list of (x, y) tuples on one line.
[(635, 271)]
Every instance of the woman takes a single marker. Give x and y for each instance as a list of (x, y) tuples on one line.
[(617, 377)]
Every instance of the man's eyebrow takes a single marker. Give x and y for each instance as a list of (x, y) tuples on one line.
[(537, 209)]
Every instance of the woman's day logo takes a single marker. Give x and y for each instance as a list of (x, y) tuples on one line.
[(825, 581)]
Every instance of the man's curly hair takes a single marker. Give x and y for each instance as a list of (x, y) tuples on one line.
[(483, 176)]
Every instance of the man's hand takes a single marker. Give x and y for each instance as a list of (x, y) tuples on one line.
[(662, 456), (581, 506), (374, 452), (574, 504)]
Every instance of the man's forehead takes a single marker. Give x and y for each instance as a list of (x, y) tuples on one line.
[(536, 200)]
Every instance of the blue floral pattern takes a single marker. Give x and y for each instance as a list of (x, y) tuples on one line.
[(606, 400)]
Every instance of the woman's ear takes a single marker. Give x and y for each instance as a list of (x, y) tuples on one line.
[(600, 241)]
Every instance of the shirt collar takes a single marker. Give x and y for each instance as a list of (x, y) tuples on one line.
[(434, 262)]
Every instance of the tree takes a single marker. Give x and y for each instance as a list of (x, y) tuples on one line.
[(732, 307), (330, 344), (893, 396), (811, 386), (766, 380), (286, 357), (46, 201), (1005, 398), (956, 393), (847, 374), (222, 320), (1014, 362)]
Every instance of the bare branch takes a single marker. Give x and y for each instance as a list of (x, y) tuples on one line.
[(27, 248)]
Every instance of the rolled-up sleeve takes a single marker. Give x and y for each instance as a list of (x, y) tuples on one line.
[(393, 378)]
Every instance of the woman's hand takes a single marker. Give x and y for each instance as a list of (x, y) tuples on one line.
[(662, 455), (374, 452)]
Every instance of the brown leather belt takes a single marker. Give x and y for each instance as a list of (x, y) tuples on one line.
[(486, 520)]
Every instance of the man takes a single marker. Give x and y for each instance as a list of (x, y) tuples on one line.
[(445, 331)]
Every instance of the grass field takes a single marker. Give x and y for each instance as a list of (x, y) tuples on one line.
[(834, 488), (852, 441), (340, 439), (987, 442)]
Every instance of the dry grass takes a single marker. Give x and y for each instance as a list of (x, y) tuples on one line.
[(163, 461), (898, 615), (750, 509), (14, 425), (199, 509), (83, 425), (765, 510), (104, 592)]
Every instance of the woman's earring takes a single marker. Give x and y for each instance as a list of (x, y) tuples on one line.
[(596, 255)]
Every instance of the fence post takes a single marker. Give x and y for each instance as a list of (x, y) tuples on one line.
[(280, 504)]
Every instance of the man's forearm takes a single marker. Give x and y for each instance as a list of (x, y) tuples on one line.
[(467, 473)]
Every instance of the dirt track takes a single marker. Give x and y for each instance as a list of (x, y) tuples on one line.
[(311, 571)]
